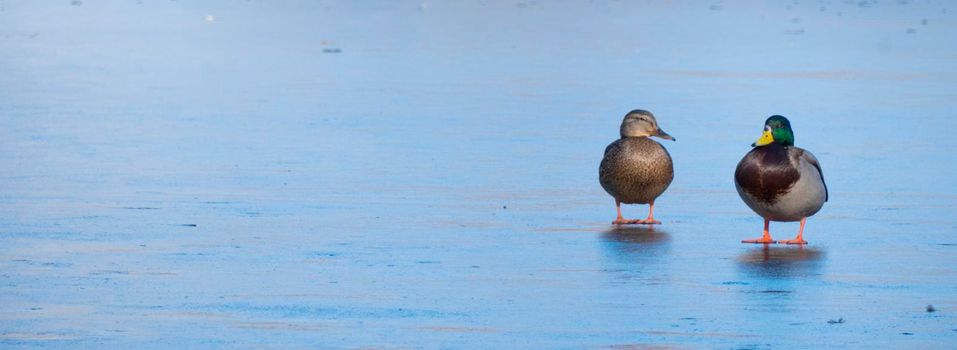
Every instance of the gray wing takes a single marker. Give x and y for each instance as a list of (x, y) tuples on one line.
[(810, 158)]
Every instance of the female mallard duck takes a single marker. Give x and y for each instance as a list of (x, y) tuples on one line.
[(780, 182), (635, 168)]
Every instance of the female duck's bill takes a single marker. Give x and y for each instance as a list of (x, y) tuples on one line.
[(640, 123)]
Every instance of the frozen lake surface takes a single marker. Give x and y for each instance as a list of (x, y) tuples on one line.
[(224, 174)]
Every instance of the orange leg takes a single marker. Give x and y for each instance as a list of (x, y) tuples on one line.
[(800, 237), (765, 238), (651, 216), (622, 221)]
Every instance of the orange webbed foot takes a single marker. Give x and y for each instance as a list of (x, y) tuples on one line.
[(765, 238), (799, 239), (765, 235), (648, 222)]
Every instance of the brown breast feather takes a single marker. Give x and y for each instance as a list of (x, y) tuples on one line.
[(766, 172)]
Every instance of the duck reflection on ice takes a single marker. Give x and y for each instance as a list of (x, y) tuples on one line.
[(634, 254), (636, 241), (781, 262)]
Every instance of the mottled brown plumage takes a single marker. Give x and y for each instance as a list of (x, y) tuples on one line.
[(635, 170)]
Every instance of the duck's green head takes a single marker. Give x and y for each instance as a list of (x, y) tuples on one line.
[(640, 123), (777, 129)]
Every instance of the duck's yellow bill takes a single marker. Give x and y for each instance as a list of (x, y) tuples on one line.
[(766, 139)]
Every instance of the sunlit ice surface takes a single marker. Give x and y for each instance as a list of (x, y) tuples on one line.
[(255, 174)]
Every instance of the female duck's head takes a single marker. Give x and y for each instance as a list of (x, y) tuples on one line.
[(777, 129), (640, 123)]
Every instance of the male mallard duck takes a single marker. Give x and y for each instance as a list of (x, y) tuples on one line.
[(636, 169), (780, 182)]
